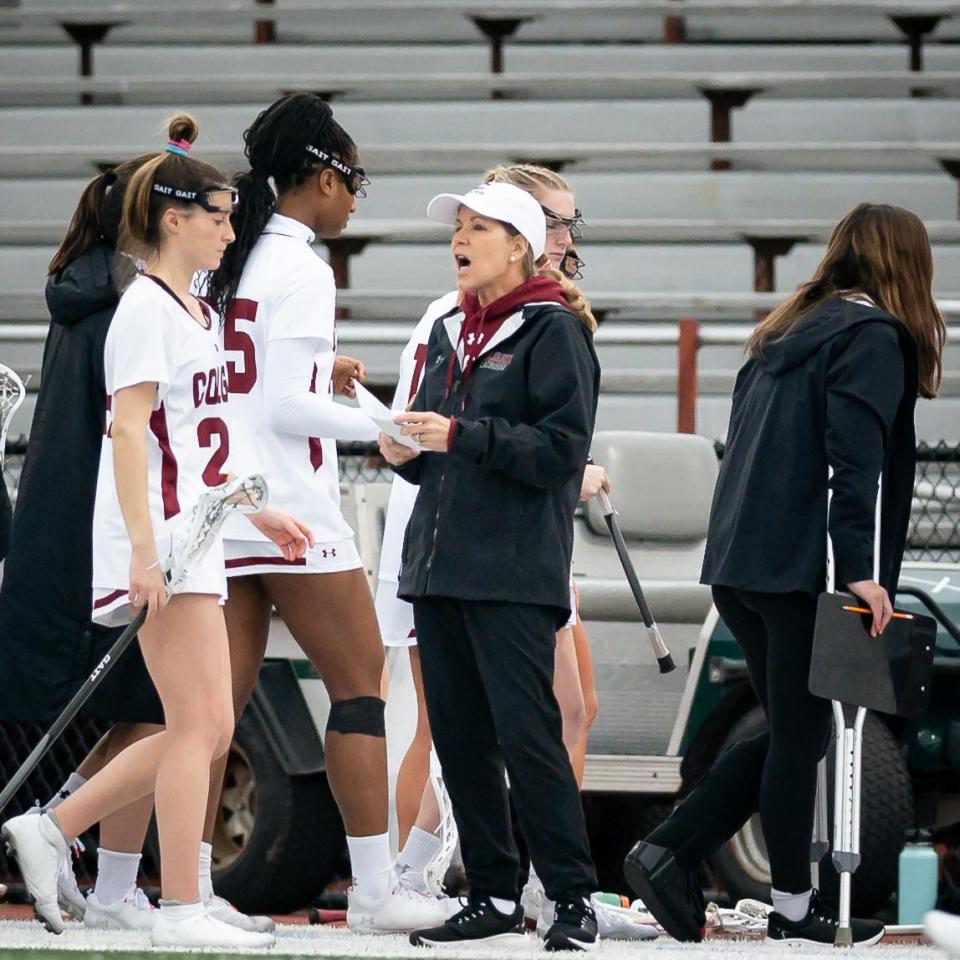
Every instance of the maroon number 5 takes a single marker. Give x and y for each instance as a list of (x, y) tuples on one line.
[(242, 377)]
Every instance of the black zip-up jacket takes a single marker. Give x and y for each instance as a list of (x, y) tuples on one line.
[(47, 643), (493, 518), (839, 390)]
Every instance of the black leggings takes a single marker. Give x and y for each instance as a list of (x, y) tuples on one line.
[(776, 771)]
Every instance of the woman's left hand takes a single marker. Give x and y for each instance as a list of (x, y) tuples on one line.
[(289, 534), (345, 371), (430, 430), (595, 479)]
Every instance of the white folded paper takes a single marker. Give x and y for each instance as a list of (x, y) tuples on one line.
[(382, 416)]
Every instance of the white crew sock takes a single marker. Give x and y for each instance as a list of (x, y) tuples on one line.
[(371, 865), (506, 907), (206, 861), (533, 881), (793, 906), (178, 910), (72, 783), (116, 874), (421, 847)]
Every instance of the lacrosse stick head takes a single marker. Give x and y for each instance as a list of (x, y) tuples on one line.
[(12, 393), (435, 871), (244, 494)]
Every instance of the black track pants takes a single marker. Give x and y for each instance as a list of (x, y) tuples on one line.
[(488, 682), (775, 772)]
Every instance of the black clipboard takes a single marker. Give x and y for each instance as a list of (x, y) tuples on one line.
[(890, 673)]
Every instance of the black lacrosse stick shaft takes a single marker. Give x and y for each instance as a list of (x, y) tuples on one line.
[(660, 651), (72, 709)]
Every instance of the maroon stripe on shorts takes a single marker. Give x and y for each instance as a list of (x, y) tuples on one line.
[(263, 561), (109, 598)]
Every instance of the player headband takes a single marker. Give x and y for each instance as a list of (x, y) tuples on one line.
[(179, 147), (355, 178), (199, 197)]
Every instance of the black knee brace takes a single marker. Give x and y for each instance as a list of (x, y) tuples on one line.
[(357, 715)]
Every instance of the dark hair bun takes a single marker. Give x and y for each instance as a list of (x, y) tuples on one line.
[(183, 127)]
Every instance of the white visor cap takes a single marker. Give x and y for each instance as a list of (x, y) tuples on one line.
[(498, 201)]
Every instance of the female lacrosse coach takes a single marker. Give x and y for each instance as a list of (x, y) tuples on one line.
[(505, 414), (831, 381)]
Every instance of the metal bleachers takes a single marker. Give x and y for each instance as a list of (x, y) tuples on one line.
[(691, 202)]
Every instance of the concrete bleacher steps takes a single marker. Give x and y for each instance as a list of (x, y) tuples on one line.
[(447, 20)]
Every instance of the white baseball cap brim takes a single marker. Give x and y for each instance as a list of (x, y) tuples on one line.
[(498, 201)]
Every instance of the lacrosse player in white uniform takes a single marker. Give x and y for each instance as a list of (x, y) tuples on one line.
[(278, 299), (167, 441)]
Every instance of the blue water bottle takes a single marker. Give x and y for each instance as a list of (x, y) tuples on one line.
[(918, 872)]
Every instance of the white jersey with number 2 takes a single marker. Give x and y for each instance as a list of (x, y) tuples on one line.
[(153, 338)]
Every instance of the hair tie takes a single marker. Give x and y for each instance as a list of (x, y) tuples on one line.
[(109, 178), (179, 147)]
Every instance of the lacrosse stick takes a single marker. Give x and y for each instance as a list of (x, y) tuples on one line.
[(12, 393), (246, 494), (436, 869), (660, 651)]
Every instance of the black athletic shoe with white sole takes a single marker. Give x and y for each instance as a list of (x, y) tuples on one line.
[(574, 926), (478, 922), (670, 893), (820, 926)]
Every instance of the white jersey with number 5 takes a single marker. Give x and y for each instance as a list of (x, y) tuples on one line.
[(153, 338), (286, 293)]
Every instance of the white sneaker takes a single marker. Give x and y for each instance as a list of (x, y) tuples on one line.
[(133, 912), (613, 923), (415, 881), (532, 898), (226, 912), (186, 927), (620, 923), (402, 910), (71, 900), (39, 847), (944, 930)]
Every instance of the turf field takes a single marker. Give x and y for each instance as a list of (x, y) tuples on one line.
[(26, 940)]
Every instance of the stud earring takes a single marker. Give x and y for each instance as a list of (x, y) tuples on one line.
[(512, 259)]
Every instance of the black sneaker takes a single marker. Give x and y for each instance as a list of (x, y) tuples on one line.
[(671, 894), (479, 921), (574, 926), (820, 925)]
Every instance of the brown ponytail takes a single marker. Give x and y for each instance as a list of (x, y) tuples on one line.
[(143, 206)]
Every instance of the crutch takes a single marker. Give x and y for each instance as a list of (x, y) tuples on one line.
[(848, 720), (821, 824), (247, 494)]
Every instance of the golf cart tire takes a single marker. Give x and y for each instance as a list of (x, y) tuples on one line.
[(287, 843), (886, 814)]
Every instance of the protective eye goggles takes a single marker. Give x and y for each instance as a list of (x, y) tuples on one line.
[(355, 178), (557, 224), (571, 266), (200, 197)]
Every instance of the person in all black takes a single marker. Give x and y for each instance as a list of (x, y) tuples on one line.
[(831, 382), (504, 418)]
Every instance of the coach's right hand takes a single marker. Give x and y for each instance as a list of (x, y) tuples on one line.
[(396, 454), (147, 586), (878, 600)]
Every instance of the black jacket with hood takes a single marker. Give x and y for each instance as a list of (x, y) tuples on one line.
[(47, 643), (493, 518), (839, 390)]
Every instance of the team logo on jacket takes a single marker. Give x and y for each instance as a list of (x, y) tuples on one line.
[(496, 361)]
